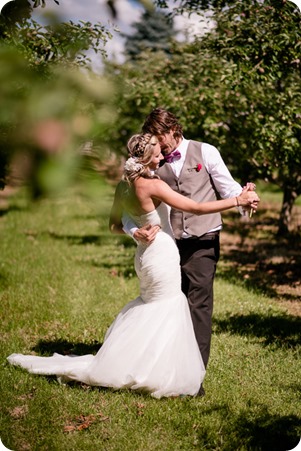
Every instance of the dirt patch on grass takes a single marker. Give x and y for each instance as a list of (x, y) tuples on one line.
[(252, 251)]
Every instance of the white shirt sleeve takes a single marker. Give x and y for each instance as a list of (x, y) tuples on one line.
[(128, 225), (223, 180)]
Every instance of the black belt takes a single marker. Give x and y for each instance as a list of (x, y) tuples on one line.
[(206, 236)]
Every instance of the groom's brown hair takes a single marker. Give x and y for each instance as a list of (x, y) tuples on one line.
[(161, 121)]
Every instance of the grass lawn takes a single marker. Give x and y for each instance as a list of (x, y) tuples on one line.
[(63, 278)]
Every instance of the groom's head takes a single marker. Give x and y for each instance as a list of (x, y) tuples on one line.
[(166, 127)]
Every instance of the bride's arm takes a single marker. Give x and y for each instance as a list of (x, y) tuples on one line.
[(160, 190)]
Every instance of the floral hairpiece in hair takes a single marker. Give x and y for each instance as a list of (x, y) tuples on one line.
[(132, 165), (139, 148)]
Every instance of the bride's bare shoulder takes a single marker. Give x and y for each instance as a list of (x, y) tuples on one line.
[(141, 181), (148, 185)]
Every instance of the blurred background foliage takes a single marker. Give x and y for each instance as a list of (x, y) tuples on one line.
[(52, 103), (237, 86)]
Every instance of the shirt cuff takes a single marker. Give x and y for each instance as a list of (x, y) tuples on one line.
[(131, 232)]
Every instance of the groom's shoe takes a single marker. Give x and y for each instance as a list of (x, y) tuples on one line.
[(201, 391)]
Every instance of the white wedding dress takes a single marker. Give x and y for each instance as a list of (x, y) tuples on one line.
[(151, 345)]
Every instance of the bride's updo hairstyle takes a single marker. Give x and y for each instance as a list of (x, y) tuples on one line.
[(140, 148)]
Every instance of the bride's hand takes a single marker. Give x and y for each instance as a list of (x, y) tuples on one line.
[(147, 233), (248, 199)]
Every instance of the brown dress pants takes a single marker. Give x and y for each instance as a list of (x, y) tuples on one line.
[(199, 257)]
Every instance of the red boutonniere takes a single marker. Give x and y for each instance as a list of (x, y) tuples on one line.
[(196, 168)]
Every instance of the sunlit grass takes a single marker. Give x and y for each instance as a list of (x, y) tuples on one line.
[(63, 278)]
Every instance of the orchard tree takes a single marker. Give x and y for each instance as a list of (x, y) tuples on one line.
[(262, 40), (178, 7), (153, 32), (59, 43), (188, 84), (63, 43), (238, 88)]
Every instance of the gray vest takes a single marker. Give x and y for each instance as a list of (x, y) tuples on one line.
[(197, 185)]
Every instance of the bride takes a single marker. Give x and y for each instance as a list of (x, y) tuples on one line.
[(151, 345)]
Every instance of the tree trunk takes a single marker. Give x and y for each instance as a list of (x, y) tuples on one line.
[(289, 197)]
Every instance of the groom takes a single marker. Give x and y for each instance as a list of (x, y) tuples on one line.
[(195, 170)]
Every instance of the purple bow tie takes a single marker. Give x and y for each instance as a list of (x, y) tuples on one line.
[(173, 156)]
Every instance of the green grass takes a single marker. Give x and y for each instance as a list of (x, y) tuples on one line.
[(63, 278)]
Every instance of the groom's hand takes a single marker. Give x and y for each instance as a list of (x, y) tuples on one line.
[(250, 186), (147, 233)]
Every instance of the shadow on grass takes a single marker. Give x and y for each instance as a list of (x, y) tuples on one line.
[(94, 239), (3, 281), (11, 208), (76, 239), (282, 330), (259, 258), (65, 347), (267, 432), (99, 240), (252, 429), (120, 264), (254, 270)]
